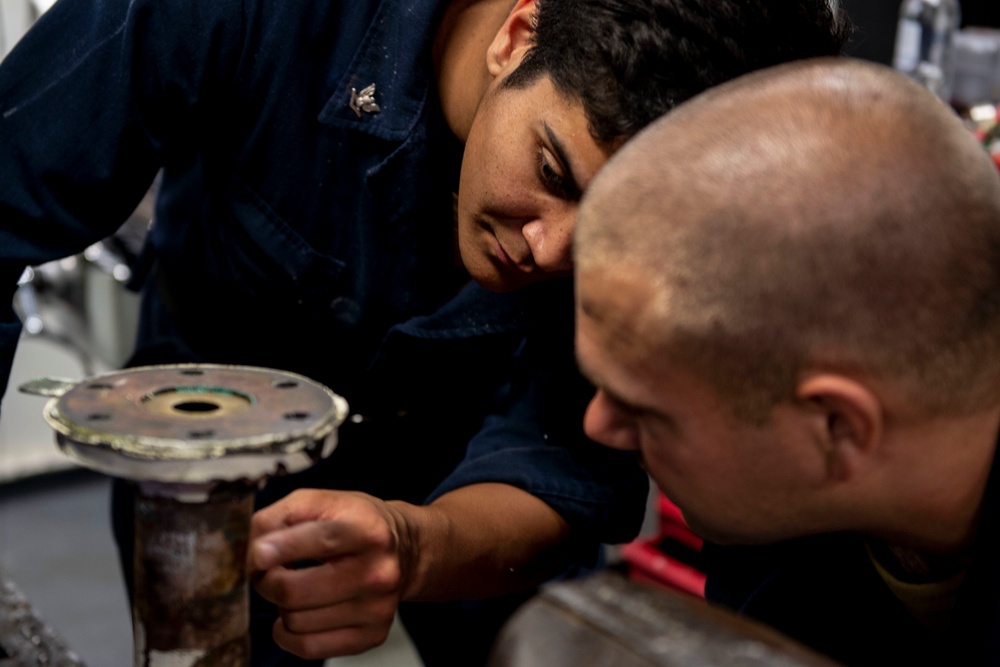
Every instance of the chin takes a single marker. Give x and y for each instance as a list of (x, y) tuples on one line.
[(494, 282), (711, 533), (485, 272), (738, 538)]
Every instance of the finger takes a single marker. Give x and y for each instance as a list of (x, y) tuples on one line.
[(346, 523), (311, 540), (331, 583), (317, 646), (369, 612), (309, 588), (298, 506)]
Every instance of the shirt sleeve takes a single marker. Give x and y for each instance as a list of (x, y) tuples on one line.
[(536, 443), (90, 98)]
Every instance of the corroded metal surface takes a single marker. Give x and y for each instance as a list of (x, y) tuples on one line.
[(194, 423), (25, 640), (191, 600), (608, 621)]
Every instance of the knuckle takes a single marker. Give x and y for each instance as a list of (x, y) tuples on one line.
[(379, 634), (328, 537), (310, 648), (385, 577), (280, 592), (365, 638), (306, 646), (383, 538), (291, 623), (385, 609)]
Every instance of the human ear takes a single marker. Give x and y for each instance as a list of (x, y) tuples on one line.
[(852, 421), (513, 38)]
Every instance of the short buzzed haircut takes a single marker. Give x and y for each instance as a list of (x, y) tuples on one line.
[(828, 214)]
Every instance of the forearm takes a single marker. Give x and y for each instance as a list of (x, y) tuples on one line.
[(476, 541), (479, 541)]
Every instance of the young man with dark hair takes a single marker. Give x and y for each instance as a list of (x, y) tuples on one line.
[(305, 220), (791, 310)]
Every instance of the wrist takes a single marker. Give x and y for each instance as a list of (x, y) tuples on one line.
[(419, 531)]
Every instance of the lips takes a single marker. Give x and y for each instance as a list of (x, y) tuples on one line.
[(524, 265), (501, 255)]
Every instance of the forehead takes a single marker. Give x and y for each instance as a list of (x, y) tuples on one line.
[(612, 321), (613, 299)]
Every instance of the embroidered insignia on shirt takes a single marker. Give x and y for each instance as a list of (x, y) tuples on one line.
[(364, 101)]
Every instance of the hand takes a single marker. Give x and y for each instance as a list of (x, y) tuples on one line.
[(345, 601)]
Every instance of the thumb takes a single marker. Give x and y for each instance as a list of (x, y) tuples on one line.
[(311, 540)]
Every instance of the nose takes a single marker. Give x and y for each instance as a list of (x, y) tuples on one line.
[(607, 424), (551, 242)]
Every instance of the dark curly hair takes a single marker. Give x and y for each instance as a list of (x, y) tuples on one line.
[(629, 61)]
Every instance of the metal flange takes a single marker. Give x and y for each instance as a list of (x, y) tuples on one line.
[(193, 423)]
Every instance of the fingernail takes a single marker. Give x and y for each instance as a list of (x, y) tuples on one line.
[(267, 554)]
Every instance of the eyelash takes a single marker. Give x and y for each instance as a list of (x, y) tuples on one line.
[(643, 417), (552, 181), (624, 408)]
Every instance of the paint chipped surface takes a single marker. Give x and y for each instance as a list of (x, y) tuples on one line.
[(181, 658)]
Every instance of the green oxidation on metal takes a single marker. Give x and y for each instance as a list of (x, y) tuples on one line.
[(200, 389)]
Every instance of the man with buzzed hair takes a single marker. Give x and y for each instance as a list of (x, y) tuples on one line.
[(788, 297)]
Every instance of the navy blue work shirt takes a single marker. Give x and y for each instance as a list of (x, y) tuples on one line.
[(824, 591), (294, 232)]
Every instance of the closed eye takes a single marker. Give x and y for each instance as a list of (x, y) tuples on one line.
[(558, 161), (553, 180)]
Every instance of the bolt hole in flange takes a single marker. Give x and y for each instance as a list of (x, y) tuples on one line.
[(105, 385), (285, 384), (297, 416)]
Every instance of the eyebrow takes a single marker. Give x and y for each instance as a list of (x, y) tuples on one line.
[(623, 402), (598, 385), (560, 149)]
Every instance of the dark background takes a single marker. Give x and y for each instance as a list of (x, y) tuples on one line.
[(875, 24)]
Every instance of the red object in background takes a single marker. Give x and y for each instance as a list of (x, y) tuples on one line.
[(668, 559), (987, 130)]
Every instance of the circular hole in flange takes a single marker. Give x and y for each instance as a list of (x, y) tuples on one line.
[(197, 402), (296, 416), (201, 435), (285, 384), (192, 371), (196, 406), (100, 385), (98, 416)]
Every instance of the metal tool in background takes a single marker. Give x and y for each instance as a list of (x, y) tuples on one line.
[(606, 620), (197, 440), (25, 639), (88, 303)]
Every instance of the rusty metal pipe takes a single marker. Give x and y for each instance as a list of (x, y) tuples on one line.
[(191, 598)]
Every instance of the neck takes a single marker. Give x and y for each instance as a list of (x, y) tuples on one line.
[(460, 47), (938, 477), (915, 566)]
